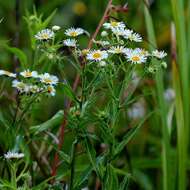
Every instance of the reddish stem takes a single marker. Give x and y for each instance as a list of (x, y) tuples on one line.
[(62, 128), (105, 16), (75, 85)]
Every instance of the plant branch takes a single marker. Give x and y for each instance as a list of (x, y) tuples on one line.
[(105, 16), (75, 85)]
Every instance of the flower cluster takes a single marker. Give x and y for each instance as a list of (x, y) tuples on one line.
[(48, 34), (118, 42), (27, 82), (119, 29)]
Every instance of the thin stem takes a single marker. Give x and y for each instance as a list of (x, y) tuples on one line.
[(106, 14), (13, 175), (17, 109), (19, 122), (72, 165)]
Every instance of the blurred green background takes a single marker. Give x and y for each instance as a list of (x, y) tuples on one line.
[(86, 14), (83, 13)]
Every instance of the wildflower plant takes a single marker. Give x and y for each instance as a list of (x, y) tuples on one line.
[(103, 92)]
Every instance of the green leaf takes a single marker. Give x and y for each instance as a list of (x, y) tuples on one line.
[(92, 156), (129, 136), (43, 184), (65, 157), (125, 183), (4, 121), (48, 20), (18, 53), (69, 92), (54, 121), (111, 181), (143, 180), (83, 179)]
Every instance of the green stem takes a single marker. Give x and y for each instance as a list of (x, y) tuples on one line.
[(73, 164), (182, 125), (13, 176), (167, 182)]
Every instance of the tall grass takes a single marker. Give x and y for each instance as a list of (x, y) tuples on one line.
[(166, 148), (180, 74), (182, 102)]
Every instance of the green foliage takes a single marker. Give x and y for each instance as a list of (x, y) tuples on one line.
[(85, 123)]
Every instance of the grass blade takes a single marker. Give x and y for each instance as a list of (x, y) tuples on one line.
[(167, 182)]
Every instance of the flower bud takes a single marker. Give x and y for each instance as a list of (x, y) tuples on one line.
[(164, 64), (56, 28), (104, 34)]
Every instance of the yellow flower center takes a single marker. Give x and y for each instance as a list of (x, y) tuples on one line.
[(47, 80), (96, 55), (28, 74), (45, 36), (85, 51), (135, 58), (74, 34), (117, 50), (49, 89), (114, 24)]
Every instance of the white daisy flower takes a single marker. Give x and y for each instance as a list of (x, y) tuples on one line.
[(97, 55), (21, 86), (7, 73), (159, 54), (127, 32), (118, 31), (130, 35), (136, 57), (70, 42), (45, 34), (56, 28), (118, 50), (113, 24), (48, 79), (74, 32), (27, 74), (51, 90), (12, 155), (143, 52)]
